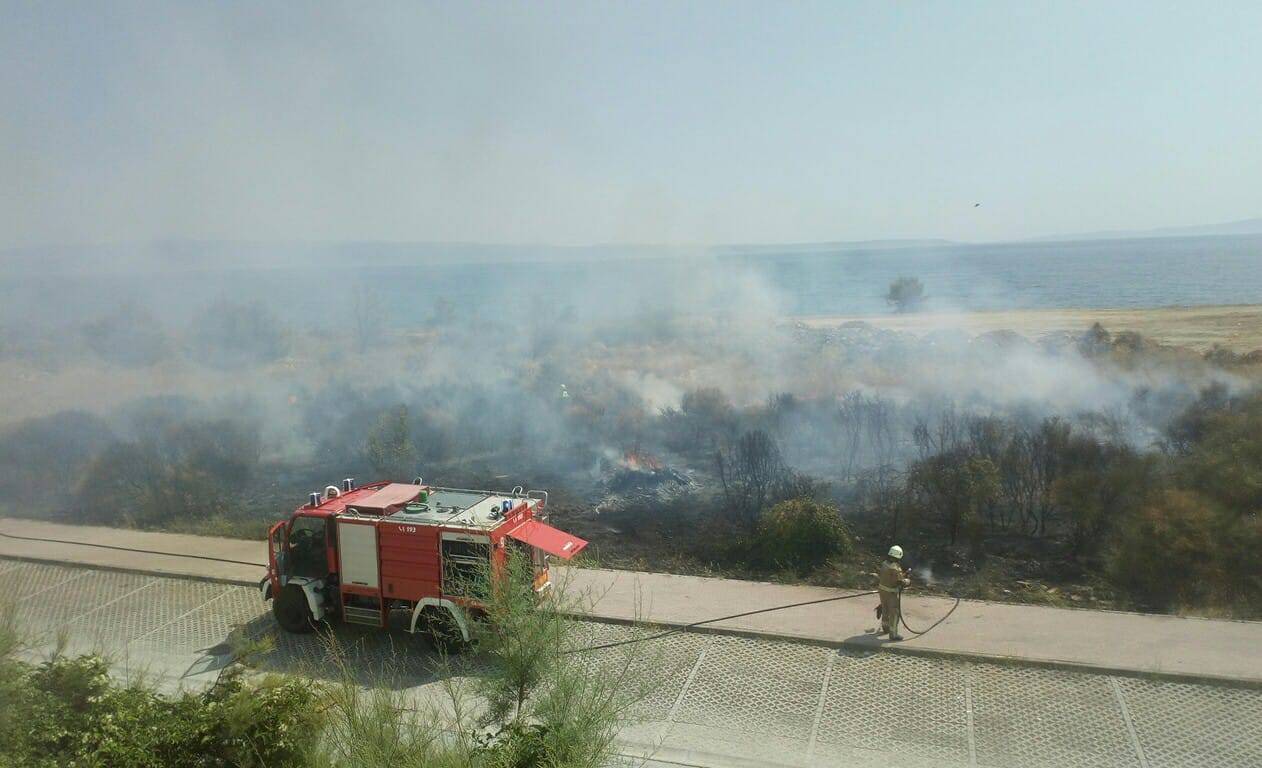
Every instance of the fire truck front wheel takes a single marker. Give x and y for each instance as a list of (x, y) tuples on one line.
[(291, 610)]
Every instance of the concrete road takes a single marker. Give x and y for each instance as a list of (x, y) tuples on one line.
[(1191, 649), (716, 700)]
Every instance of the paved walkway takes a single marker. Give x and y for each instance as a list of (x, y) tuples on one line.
[(1128, 643), (711, 701)]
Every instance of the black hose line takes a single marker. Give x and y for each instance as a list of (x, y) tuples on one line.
[(686, 627), (903, 618), (131, 549)]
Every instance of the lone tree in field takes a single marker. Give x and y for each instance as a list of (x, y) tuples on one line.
[(906, 294)]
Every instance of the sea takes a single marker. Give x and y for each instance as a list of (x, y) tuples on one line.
[(403, 286)]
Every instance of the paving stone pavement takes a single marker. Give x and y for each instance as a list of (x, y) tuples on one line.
[(714, 700)]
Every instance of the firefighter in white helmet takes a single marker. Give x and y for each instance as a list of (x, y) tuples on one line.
[(891, 581)]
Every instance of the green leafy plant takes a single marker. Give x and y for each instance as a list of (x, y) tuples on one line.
[(802, 534)]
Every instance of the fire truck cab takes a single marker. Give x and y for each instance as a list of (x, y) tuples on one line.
[(358, 554)]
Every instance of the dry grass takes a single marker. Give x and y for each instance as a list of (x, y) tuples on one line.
[(1235, 327)]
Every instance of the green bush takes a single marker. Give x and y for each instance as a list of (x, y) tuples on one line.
[(802, 534), (1223, 458), (71, 712), (1169, 552)]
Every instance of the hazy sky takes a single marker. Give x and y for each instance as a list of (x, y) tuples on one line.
[(631, 122)]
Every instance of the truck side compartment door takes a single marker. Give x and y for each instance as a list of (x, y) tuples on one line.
[(357, 550)]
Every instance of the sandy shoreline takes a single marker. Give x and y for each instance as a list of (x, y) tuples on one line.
[(1236, 327)]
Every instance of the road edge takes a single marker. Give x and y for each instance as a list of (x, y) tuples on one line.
[(874, 645)]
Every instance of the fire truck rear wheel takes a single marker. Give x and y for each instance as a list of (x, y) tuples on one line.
[(291, 610)]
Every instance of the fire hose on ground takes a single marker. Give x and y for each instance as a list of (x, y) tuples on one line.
[(903, 618), (657, 636)]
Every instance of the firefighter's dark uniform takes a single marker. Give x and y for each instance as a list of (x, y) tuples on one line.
[(891, 578)]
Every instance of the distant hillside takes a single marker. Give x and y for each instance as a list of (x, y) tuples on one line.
[(836, 246), (228, 255), (1242, 227), (220, 255)]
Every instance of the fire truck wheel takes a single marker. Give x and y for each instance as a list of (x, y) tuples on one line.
[(291, 610), (441, 630)]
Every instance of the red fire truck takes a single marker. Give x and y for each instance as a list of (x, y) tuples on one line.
[(359, 554)]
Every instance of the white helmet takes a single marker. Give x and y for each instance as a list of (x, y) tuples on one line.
[(896, 552)]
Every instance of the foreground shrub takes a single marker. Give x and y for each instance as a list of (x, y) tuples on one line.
[(802, 534), (71, 712), (538, 698)]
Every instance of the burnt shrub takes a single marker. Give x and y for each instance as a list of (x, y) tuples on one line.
[(231, 334), (192, 471), (802, 534), (704, 417), (128, 336), (41, 458), (750, 470)]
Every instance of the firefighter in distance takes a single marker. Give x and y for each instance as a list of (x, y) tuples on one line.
[(891, 580)]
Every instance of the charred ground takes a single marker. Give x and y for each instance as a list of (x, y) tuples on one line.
[(1086, 467)]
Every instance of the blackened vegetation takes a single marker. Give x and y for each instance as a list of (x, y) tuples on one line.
[(129, 336), (192, 470), (232, 334), (1133, 478), (750, 471)]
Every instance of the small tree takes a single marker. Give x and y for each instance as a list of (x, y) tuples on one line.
[(958, 486), (548, 702), (749, 471), (1106, 484), (1095, 341), (542, 694), (905, 294), (704, 417), (389, 447)]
